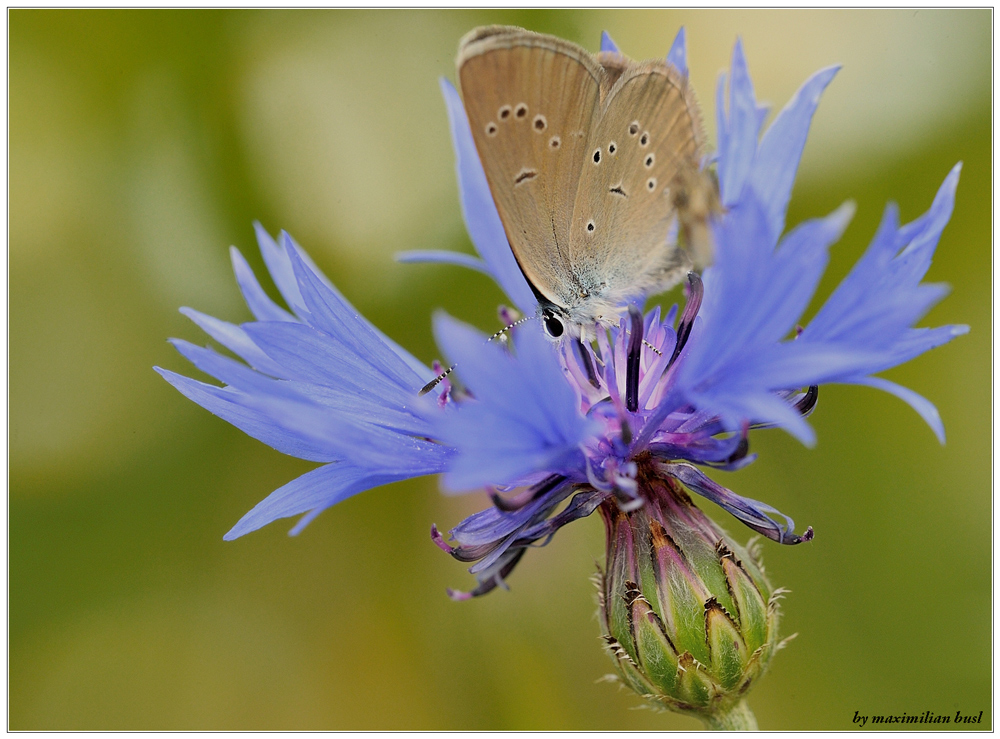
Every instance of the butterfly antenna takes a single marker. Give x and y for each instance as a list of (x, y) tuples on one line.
[(508, 327), (436, 381), (648, 345)]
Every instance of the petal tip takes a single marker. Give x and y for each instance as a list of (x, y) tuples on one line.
[(844, 214), (458, 595), (439, 541), (677, 56), (607, 43), (447, 87)]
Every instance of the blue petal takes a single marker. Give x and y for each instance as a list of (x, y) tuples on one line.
[(924, 233), (280, 269), (231, 405), (285, 276), (478, 209), (309, 355), (873, 309), (363, 444), (235, 339), (331, 388), (524, 418), (916, 401), (844, 313), (757, 406), (916, 341), (881, 296), (737, 146), (444, 257), (754, 294), (731, 286), (781, 148), (607, 44), (797, 266), (678, 53), (361, 395), (770, 167), (721, 129), (262, 307), (762, 111), (314, 492), (225, 369), (330, 313), (365, 412), (794, 364), (375, 435)]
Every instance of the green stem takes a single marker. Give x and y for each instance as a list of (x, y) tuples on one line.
[(738, 717)]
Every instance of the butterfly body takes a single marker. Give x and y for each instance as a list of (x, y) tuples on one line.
[(585, 156)]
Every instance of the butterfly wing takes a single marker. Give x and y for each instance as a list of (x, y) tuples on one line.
[(646, 141), (532, 101)]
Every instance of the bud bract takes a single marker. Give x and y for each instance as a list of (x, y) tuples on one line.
[(689, 617)]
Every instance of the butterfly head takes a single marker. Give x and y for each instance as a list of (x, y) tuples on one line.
[(578, 321), (555, 323)]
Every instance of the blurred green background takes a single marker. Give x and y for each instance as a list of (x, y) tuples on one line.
[(143, 143)]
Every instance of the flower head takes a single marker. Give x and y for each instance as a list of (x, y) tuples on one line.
[(556, 431), (320, 383)]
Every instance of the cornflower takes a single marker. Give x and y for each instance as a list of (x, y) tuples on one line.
[(557, 431)]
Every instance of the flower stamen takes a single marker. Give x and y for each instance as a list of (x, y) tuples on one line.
[(807, 403), (583, 354), (691, 307), (632, 361)]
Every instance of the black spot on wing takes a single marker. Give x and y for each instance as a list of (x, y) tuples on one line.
[(524, 175)]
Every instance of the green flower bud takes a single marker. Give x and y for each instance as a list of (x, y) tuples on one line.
[(689, 618)]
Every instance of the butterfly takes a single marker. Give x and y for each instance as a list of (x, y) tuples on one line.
[(594, 164)]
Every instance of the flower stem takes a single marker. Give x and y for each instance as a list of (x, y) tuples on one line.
[(739, 717)]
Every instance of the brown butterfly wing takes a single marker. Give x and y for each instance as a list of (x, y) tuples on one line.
[(532, 101), (646, 141)]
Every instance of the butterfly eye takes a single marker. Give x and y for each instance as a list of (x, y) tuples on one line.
[(633, 129), (491, 129), (649, 161), (540, 123), (612, 147), (504, 113), (644, 139), (522, 110), (553, 325)]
